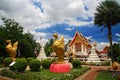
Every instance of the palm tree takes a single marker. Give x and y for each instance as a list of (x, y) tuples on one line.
[(107, 15)]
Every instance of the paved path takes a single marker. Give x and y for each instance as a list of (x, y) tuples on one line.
[(92, 73)]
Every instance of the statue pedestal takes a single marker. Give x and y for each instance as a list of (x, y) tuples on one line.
[(60, 68)]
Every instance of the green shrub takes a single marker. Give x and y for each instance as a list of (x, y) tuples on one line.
[(76, 63), (1, 59), (45, 74), (108, 63), (83, 63), (20, 65), (53, 60), (29, 59), (105, 63), (35, 65), (7, 61), (46, 63), (7, 73), (118, 59), (1, 66)]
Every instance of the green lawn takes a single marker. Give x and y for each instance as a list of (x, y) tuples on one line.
[(108, 75), (44, 74)]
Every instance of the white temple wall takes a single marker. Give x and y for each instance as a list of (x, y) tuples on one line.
[(85, 49), (74, 47)]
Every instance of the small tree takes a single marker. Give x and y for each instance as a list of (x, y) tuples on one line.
[(14, 31), (116, 52), (48, 48)]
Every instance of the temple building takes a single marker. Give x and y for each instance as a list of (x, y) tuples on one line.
[(103, 53), (86, 51), (80, 45)]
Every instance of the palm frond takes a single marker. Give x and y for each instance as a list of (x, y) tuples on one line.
[(107, 12)]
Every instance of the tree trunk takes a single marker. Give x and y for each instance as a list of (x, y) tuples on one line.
[(110, 41)]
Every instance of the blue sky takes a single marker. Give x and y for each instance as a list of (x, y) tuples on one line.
[(95, 32), (46, 17)]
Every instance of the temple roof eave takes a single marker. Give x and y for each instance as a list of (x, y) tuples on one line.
[(80, 36)]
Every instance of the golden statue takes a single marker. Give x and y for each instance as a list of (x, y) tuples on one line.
[(71, 53), (115, 65), (12, 49), (58, 46), (55, 35)]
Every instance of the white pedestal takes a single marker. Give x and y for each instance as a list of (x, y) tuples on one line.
[(11, 64)]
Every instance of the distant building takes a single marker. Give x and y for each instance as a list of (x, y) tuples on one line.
[(104, 53), (80, 45), (82, 48)]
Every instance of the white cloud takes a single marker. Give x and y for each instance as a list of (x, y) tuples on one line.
[(31, 17), (58, 11), (69, 29), (79, 23), (40, 37), (101, 45), (91, 5), (22, 11), (89, 37), (66, 38), (28, 14), (117, 34)]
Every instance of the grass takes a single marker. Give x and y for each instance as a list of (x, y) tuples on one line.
[(44, 74), (108, 75)]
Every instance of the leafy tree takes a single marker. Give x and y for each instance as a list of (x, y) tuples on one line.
[(107, 15), (67, 45), (13, 31), (116, 51), (9, 30), (28, 45), (48, 48)]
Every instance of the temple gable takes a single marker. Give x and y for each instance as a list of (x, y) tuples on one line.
[(80, 44)]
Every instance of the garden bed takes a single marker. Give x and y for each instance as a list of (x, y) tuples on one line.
[(44, 74)]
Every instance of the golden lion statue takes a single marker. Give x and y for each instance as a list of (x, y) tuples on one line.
[(58, 46), (11, 49)]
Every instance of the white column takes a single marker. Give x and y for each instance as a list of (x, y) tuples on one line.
[(73, 47), (85, 49)]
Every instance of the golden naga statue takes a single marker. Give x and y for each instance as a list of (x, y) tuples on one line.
[(71, 53), (115, 65), (11, 49), (58, 46)]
